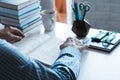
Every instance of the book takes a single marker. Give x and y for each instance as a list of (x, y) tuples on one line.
[(104, 46), (23, 20), (16, 4), (20, 12), (20, 17), (20, 26), (31, 26), (30, 23)]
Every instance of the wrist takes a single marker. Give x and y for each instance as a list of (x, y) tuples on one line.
[(72, 50)]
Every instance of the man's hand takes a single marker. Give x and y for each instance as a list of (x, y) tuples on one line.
[(73, 43), (11, 34)]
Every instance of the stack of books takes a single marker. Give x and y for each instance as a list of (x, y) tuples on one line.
[(23, 14)]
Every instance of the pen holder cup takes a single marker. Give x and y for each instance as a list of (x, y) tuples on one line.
[(81, 28)]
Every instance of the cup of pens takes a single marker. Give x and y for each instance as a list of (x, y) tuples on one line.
[(80, 25), (80, 28)]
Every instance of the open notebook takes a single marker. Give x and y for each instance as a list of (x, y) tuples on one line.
[(32, 40)]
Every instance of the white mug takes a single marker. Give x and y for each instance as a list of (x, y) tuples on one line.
[(48, 19)]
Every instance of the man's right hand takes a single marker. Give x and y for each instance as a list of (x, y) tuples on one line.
[(73, 43), (11, 34)]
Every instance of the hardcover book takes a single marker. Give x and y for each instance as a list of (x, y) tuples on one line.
[(16, 4), (20, 26), (20, 17), (21, 11), (23, 20), (33, 25)]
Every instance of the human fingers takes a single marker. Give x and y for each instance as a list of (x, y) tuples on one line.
[(14, 38), (79, 42), (69, 42), (69, 39), (17, 32), (83, 47), (14, 31)]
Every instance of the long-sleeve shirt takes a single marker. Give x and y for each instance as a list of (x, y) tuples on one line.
[(15, 65)]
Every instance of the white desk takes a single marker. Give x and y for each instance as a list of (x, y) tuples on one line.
[(95, 65)]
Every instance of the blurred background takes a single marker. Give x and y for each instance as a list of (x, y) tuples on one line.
[(104, 14)]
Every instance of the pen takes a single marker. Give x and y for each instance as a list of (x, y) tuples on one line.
[(109, 38), (77, 13)]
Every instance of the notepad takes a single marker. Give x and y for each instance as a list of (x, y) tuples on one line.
[(101, 45)]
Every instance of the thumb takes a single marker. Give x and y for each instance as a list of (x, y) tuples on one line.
[(84, 47), (15, 38)]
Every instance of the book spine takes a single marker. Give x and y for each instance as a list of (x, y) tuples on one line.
[(6, 10), (16, 7), (5, 22), (9, 15), (9, 19), (7, 5), (8, 22), (20, 12), (26, 19), (20, 17)]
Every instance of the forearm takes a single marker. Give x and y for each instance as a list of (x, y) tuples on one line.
[(66, 67), (68, 63)]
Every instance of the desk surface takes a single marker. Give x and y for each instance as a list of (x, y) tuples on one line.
[(95, 64)]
